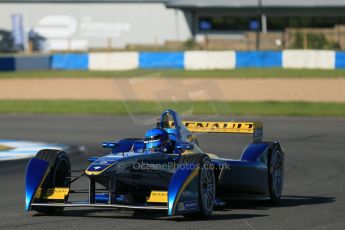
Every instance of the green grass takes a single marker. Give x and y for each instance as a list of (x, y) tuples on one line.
[(235, 73), (195, 108)]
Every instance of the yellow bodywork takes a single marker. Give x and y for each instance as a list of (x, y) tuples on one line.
[(222, 127), (158, 197), (57, 193)]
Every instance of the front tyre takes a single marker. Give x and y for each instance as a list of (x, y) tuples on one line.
[(207, 188), (58, 176), (206, 183)]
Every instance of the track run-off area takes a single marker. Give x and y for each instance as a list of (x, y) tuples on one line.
[(313, 195), (166, 89)]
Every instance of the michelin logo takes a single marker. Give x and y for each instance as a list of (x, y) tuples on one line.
[(188, 205)]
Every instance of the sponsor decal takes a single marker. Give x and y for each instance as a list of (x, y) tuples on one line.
[(57, 26), (220, 126), (188, 205), (91, 28), (158, 197), (53, 193), (65, 32)]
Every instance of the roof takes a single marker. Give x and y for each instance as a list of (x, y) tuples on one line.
[(253, 3), (207, 3), (82, 1)]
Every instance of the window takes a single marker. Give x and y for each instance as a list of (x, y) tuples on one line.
[(224, 23), (280, 23), (228, 23)]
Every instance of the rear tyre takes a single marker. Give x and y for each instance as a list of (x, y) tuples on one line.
[(206, 184), (58, 176), (275, 164)]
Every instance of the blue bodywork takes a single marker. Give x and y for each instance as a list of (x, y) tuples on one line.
[(35, 174), (178, 189), (243, 178)]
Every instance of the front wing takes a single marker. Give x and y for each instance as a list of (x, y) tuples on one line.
[(181, 197)]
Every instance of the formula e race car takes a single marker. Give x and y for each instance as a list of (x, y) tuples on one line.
[(166, 170)]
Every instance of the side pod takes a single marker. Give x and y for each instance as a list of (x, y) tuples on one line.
[(35, 173), (183, 190), (253, 152)]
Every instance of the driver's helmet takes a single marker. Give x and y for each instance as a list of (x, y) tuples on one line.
[(157, 140)]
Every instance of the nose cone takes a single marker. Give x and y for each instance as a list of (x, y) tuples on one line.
[(99, 166)]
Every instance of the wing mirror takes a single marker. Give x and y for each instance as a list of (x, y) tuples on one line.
[(184, 146), (110, 145)]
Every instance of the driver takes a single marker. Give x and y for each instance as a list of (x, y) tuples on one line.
[(157, 140)]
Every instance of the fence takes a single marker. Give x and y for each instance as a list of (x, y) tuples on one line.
[(301, 38)]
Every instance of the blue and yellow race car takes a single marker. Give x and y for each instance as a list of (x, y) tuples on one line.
[(166, 170)]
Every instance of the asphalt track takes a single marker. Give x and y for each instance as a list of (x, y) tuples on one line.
[(314, 195)]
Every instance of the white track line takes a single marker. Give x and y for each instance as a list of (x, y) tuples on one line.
[(25, 149)]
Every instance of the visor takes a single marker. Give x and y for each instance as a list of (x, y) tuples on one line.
[(153, 145)]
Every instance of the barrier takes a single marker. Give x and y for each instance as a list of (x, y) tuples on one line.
[(113, 61), (206, 60), (310, 59), (189, 60), (171, 60), (339, 59), (70, 61), (7, 63), (263, 59), (32, 63)]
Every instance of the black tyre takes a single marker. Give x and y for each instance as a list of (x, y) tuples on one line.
[(206, 183), (58, 176), (275, 164)]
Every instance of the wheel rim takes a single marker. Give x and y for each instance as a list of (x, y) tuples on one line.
[(207, 187), (277, 173)]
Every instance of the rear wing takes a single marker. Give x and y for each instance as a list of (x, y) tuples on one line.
[(255, 128)]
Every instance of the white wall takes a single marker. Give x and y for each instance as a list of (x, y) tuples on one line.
[(309, 59), (94, 24), (114, 61), (195, 60)]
